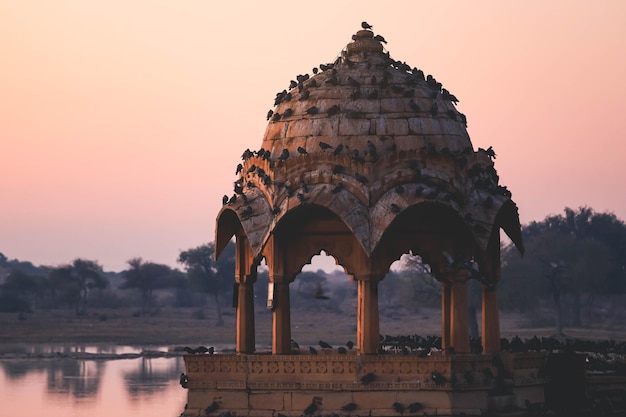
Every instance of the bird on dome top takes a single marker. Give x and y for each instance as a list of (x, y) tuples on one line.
[(366, 25)]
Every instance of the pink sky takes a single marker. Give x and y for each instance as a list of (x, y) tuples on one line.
[(121, 123)]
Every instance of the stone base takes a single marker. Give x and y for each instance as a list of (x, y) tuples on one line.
[(296, 385)]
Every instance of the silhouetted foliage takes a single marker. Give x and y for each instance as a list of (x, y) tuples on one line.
[(146, 277), (574, 256), (208, 275), (74, 282)]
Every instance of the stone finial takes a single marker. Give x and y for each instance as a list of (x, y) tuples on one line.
[(363, 41)]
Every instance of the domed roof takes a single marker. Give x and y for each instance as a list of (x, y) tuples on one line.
[(367, 137), (365, 96)]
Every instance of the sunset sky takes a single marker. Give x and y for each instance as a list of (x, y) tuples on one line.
[(121, 122)]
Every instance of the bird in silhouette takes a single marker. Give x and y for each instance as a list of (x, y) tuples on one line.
[(312, 350), (380, 39), (415, 407), (211, 350), (342, 350), (368, 378), (398, 407), (284, 155), (424, 352), (437, 378), (338, 149), (349, 407), (287, 113), (270, 113), (224, 200), (294, 346), (211, 408), (366, 25), (337, 188), (310, 409), (276, 117), (333, 110), (350, 344), (183, 380), (395, 208), (275, 210), (305, 95), (324, 345), (490, 153), (325, 145), (202, 349), (301, 197), (361, 178), (338, 169), (302, 151), (312, 110)]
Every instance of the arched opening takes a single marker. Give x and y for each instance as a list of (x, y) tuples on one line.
[(409, 300), (323, 304)]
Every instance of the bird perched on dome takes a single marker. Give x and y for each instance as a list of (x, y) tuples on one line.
[(366, 25)]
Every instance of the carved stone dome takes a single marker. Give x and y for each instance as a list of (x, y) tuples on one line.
[(369, 138), (365, 96)]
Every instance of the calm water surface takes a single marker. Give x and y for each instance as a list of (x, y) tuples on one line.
[(65, 387)]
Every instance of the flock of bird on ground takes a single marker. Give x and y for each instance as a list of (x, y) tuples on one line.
[(483, 176)]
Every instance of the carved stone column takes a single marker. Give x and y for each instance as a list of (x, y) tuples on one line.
[(245, 315), (445, 315), (245, 277), (281, 313), (459, 326), (368, 327), (490, 321)]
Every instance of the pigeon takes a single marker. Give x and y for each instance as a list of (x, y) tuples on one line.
[(302, 151), (183, 380), (368, 378), (397, 407), (366, 25), (325, 145), (349, 407), (325, 345)]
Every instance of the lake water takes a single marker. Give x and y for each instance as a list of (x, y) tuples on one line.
[(64, 386)]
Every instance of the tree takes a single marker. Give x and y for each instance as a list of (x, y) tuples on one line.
[(571, 255), (147, 277), (26, 287), (209, 275), (76, 281)]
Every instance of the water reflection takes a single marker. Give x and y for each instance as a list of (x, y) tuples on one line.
[(64, 386)]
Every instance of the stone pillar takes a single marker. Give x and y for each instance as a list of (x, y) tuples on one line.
[(281, 314), (459, 326), (245, 276), (490, 321), (368, 328), (446, 310), (245, 315)]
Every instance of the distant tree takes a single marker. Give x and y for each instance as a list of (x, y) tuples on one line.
[(580, 253), (29, 288), (209, 275), (146, 277), (76, 281)]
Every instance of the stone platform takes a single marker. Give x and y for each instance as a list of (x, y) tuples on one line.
[(264, 385)]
